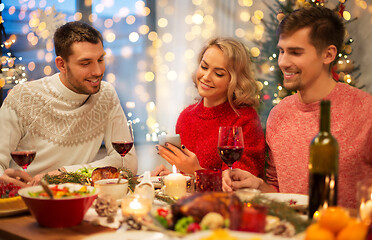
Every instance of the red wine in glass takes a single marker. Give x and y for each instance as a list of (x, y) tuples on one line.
[(230, 144), (122, 147), (23, 158), (230, 154), (122, 136)]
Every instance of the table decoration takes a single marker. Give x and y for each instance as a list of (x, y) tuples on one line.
[(106, 206), (84, 176), (159, 195), (135, 206), (208, 180), (283, 211), (364, 196), (175, 184), (145, 188)]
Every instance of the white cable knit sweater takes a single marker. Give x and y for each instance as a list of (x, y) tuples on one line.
[(67, 128)]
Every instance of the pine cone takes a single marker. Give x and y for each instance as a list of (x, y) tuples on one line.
[(106, 206)]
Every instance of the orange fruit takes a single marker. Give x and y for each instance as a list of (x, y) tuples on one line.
[(316, 232), (353, 231), (334, 219)]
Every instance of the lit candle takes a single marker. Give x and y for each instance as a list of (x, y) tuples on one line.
[(175, 184), (366, 210), (135, 206)]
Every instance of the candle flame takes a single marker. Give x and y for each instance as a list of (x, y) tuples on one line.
[(316, 215), (174, 169), (135, 204)]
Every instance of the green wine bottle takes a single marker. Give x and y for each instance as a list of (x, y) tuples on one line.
[(323, 164)]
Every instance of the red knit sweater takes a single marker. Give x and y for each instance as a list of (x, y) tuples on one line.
[(198, 128), (291, 127)]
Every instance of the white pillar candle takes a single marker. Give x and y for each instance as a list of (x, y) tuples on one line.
[(175, 184)]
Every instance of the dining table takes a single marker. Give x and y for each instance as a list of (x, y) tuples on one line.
[(24, 226)]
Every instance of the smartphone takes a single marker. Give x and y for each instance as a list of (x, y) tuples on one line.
[(172, 139)]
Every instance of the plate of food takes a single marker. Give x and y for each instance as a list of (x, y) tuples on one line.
[(10, 202), (155, 180), (231, 235), (11, 212), (298, 201), (128, 235)]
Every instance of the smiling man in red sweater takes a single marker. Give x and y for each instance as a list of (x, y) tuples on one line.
[(309, 41)]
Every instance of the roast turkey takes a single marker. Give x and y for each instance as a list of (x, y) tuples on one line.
[(201, 203), (104, 173)]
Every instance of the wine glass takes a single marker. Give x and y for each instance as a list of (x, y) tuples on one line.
[(230, 144), (25, 152), (122, 136)]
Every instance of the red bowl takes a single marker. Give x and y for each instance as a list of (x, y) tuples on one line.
[(60, 212)]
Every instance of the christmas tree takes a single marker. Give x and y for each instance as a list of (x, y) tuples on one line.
[(267, 62)]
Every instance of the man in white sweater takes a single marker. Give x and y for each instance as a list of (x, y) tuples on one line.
[(67, 115)]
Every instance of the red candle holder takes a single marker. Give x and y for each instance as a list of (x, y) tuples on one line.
[(208, 180), (252, 218)]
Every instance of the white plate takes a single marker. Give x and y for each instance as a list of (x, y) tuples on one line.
[(293, 200), (236, 234), (12, 212), (155, 180), (128, 235)]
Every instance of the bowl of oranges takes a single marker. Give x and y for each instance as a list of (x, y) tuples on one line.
[(335, 223)]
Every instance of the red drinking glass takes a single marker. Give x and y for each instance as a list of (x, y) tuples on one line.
[(208, 180)]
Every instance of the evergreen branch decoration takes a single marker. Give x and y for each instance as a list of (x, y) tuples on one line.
[(283, 211), (66, 177), (132, 180), (83, 176), (164, 198)]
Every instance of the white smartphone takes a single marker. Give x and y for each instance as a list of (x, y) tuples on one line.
[(172, 139)]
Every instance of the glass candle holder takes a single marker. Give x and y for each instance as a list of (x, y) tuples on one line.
[(190, 183), (253, 218), (135, 206), (364, 196), (208, 180)]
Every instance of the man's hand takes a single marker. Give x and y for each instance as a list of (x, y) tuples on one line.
[(239, 179), (185, 160), (160, 171), (36, 180), (17, 177)]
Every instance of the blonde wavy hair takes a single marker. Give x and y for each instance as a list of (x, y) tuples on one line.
[(242, 89)]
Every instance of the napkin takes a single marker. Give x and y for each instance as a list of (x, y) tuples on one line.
[(145, 189)]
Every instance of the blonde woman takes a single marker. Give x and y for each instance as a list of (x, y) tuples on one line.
[(228, 94)]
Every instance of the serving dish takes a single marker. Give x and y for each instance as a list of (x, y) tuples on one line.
[(58, 212)]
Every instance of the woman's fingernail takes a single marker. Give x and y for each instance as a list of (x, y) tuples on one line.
[(183, 146)]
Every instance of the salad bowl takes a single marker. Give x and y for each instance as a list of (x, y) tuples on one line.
[(66, 209)]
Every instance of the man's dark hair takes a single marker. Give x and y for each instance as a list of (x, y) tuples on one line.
[(327, 27), (72, 32)]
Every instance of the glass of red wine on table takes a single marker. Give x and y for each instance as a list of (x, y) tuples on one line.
[(24, 153), (122, 137), (230, 144)]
